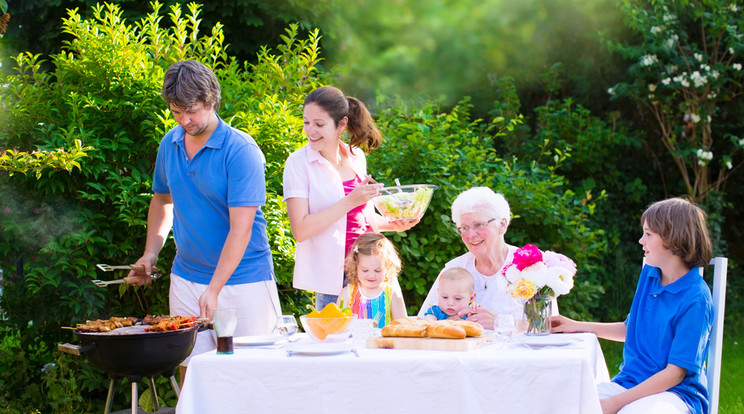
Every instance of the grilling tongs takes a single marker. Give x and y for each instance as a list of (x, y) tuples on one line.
[(156, 273)]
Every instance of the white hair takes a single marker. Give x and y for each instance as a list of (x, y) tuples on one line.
[(480, 198)]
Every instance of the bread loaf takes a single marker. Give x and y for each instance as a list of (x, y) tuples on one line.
[(471, 328), (445, 329), (405, 329)]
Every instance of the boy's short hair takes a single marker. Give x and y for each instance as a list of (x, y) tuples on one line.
[(683, 229), (456, 274)]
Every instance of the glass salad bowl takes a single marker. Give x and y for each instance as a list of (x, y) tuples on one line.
[(404, 202)]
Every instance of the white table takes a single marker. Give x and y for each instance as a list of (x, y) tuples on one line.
[(503, 378)]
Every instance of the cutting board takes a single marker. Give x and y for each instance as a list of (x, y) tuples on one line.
[(435, 344)]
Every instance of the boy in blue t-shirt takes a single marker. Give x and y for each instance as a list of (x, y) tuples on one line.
[(667, 331)]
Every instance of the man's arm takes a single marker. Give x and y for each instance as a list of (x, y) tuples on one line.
[(159, 223), (241, 223)]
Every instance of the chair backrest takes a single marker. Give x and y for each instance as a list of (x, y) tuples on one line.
[(713, 365)]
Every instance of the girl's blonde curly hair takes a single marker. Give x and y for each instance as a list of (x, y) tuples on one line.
[(373, 244)]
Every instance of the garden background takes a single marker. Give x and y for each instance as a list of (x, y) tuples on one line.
[(581, 112)]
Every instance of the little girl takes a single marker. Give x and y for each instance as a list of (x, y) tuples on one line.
[(667, 330), (372, 268)]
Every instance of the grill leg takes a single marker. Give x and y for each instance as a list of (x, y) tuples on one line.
[(109, 397), (174, 383), (154, 394), (135, 397)]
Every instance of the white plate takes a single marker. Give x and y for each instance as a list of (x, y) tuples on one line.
[(256, 340), (316, 348), (545, 340)]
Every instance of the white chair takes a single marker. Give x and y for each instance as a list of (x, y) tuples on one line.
[(713, 365)]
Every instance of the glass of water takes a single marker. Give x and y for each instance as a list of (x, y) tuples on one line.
[(286, 326), (506, 326)]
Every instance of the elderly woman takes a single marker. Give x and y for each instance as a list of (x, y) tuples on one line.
[(482, 217)]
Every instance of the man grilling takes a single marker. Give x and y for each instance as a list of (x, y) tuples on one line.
[(209, 185)]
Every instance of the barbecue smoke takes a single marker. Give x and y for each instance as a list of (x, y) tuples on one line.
[(29, 224)]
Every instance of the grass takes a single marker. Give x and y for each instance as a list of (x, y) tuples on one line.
[(732, 375)]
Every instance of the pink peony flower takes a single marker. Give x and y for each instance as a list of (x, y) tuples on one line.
[(527, 256), (553, 259), (535, 272)]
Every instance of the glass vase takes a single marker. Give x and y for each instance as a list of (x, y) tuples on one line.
[(537, 311)]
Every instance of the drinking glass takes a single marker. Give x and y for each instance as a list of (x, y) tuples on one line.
[(225, 320), (287, 325), (506, 326)]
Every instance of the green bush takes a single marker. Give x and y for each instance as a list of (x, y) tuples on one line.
[(103, 97), (455, 153)]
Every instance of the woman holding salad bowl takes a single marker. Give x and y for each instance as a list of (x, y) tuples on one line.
[(327, 191)]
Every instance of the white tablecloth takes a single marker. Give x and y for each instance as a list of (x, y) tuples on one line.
[(503, 378)]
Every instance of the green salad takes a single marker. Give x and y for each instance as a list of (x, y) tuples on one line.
[(404, 205)]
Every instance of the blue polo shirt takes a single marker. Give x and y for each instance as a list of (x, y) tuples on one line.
[(227, 172), (669, 325)]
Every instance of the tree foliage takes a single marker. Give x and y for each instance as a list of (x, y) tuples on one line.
[(685, 68)]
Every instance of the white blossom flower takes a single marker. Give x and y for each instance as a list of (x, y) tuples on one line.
[(611, 91), (672, 68), (698, 57), (712, 95), (698, 80), (656, 30), (736, 66), (714, 74), (704, 155), (666, 81), (731, 50), (681, 80), (668, 17), (708, 119), (729, 165), (672, 40), (695, 118), (741, 142), (651, 87), (705, 67), (648, 60), (733, 7)]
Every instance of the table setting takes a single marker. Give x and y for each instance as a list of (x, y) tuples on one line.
[(504, 371)]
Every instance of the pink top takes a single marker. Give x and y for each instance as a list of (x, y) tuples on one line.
[(356, 223), (319, 261)]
